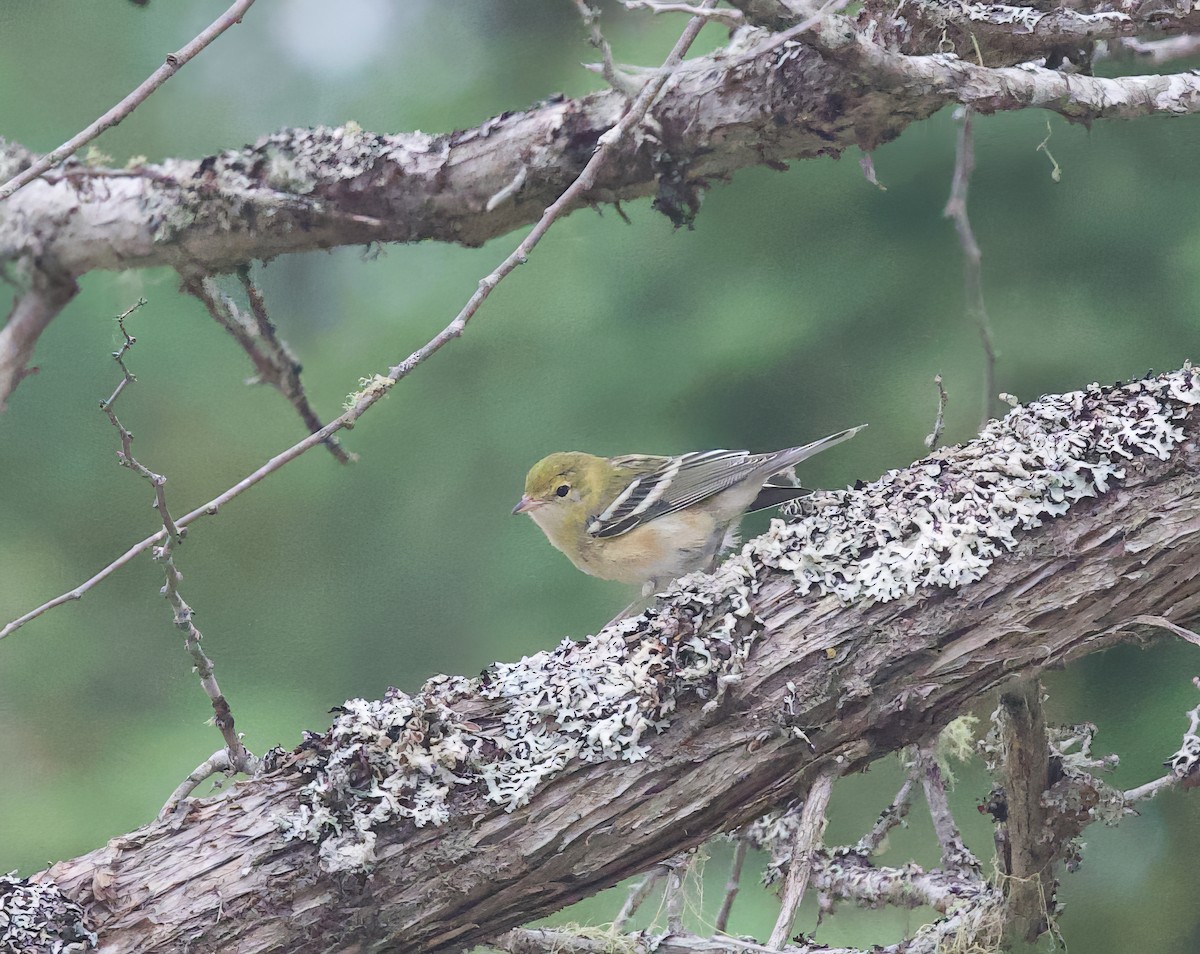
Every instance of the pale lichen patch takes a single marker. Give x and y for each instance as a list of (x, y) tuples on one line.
[(942, 521), (406, 757), (37, 916)]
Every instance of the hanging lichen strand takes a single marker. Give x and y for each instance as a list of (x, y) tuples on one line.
[(939, 523)]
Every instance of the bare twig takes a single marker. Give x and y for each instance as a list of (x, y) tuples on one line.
[(1025, 746), (637, 896), (46, 296), (608, 69), (216, 764), (955, 854), (1164, 50), (956, 209), (573, 194), (732, 17), (131, 102), (255, 334), (238, 757), (733, 884), (866, 163), (376, 388), (932, 440), (808, 837), (1150, 789), (673, 894)]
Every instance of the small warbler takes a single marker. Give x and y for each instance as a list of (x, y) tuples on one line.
[(648, 520)]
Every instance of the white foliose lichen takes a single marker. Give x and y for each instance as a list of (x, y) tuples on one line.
[(938, 523), (943, 520), (38, 917), (406, 757)]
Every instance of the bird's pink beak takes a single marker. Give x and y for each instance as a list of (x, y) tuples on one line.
[(527, 503)]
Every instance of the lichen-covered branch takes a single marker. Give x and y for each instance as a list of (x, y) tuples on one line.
[(301, 189), (956, 856), (856, 628), (766, 100)]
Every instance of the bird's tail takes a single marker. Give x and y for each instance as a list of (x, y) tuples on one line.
[(785, 460), (779, 480)]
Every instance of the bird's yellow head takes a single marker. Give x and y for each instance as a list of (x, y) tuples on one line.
[(558, 483)]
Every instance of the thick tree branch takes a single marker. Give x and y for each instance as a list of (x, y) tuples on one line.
[(478, 805), (305, 189), (772, 99)]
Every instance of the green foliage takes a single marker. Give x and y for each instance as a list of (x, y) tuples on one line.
[(802, 302)]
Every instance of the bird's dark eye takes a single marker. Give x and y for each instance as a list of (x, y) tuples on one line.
[(562, 490)]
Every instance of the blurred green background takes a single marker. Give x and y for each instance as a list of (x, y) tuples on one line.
[(802, 303)]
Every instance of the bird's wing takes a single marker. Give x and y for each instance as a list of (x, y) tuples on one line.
[(662, 485)]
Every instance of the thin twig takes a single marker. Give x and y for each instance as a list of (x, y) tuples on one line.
[(131, 102), (808, 837), (673, 894), (637, 897), (931, 441), (255, 334), (1164, 50), (733, 884), (571, 195), (956, 209), (828, 9), (608, 69), (216, 764), (732, 17), (238, 757), (1150, 789), (376, 388)]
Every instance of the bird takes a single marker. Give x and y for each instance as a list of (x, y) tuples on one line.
[(649, 519)]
